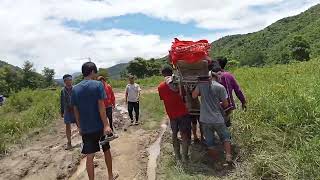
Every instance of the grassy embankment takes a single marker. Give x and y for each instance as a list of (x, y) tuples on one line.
[(279, 134), (25, 111)]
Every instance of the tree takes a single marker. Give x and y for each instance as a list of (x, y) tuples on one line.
[(103, 72), (124, 74), (48, 76), (153, 67), (300, 49), (78, 79), (252, 58), (31, 79), (138, 67), (144, 68)]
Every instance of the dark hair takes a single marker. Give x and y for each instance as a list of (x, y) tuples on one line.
[(66, 76), (222, 61), (87, 68), (166, 70), (216, 66)]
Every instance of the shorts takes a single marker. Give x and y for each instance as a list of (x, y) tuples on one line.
[(194, 119), (182, 124), (210, 129), (69, 118), (91, 143)]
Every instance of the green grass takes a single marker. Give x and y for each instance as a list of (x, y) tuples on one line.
[(279, 134), (152, 111), (144, 83), (25, 111)]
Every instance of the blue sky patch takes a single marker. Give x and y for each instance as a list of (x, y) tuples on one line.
[(141, 24)]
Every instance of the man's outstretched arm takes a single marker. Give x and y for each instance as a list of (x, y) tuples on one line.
[(238, 91)]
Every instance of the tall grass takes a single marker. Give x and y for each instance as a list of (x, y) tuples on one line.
[(25, 111), (281, 128), (152, 111), (279, 134)]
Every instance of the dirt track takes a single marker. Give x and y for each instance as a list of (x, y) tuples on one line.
[(44, 157)]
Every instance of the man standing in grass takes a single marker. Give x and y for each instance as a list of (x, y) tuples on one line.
[(178, 114), (88, 100), (211, 115), (133, 91), (231, 84), (66, 109)]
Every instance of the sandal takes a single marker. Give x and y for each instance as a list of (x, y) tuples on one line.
[(108, 139)]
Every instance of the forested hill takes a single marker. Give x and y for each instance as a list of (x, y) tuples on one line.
[(5, 64), (272, 44)]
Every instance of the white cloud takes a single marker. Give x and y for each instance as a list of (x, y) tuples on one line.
[(34, 29), (27, 32)]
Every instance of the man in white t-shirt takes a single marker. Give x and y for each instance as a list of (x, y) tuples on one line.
[(132, 99)]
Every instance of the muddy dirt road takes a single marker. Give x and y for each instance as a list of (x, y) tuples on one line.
[(43, 156)]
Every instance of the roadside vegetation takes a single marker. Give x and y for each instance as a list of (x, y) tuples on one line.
[(278, 136), (24, 112), (152, 111)]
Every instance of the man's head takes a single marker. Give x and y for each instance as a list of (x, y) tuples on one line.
[(222, 61), (166, 71), (67, 79), (89, 70), (131, 79), (216, 67)]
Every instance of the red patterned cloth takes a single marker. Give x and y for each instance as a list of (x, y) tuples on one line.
[(188, 51)]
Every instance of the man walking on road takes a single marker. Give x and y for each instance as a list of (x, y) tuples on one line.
[(110, 101), (66, 108), (88, 100), (133, 91), (211, 115), (178, 114), (231, 84)]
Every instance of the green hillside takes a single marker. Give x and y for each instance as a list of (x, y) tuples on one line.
[(272, 42), (114, 71)]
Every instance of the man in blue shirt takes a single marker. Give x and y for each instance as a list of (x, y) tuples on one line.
[(88, 101)]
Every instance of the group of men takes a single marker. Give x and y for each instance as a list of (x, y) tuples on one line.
[(89, 105), (217, 104)]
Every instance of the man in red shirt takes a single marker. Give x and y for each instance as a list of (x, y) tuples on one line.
[(178, 114), (109, 102)]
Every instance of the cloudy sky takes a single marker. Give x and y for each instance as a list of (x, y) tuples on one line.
[(60, 33)]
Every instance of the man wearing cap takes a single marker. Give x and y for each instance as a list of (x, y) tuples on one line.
[(66, 109)]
